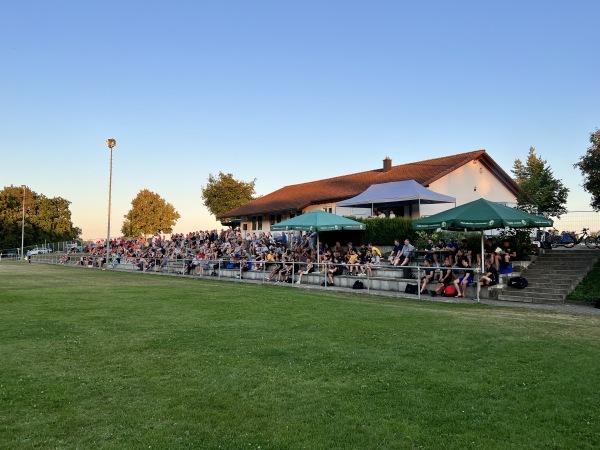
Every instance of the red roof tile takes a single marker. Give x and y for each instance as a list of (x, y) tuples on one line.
[(299, 196)]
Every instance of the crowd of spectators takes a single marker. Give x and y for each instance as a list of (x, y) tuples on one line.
[(296, 253)]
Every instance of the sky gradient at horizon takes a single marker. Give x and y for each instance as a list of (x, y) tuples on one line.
[(284, 92)]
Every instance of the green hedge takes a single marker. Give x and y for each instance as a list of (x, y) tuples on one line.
[(385, 231)]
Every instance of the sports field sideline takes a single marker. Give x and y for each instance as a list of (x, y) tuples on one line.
[(100, 359)]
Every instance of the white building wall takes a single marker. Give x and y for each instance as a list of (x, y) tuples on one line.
[(467, 183)]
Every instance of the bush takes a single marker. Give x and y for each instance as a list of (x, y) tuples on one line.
[(385, 231)]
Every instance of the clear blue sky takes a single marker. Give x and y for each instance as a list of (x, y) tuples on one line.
[(284, 92)]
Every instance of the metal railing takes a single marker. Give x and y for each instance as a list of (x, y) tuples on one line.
[(262, 272)]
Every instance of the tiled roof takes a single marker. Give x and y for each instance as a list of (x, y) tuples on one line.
[(298, 196)]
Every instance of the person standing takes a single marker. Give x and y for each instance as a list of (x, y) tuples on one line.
[(29, 256)]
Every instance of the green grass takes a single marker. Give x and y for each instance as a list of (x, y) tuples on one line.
[(589, 289), (100, 359)]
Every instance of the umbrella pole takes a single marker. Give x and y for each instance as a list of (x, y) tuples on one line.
[(318, 255), (482, 265)]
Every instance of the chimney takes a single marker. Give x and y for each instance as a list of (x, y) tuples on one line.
[(387, 164)]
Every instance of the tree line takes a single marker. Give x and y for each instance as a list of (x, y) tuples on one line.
[(46, 219)]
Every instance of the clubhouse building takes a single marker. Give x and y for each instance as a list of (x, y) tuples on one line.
[(462, 177)]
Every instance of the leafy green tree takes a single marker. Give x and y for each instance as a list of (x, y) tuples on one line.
[(149, 214), (539, 191), (589, 164), (224, 193), (46, 219)]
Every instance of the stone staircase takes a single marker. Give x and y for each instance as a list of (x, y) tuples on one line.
[(553, 276)]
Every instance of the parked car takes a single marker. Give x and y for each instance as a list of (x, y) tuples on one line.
[(9, 254), (74, 248), (40, 250)]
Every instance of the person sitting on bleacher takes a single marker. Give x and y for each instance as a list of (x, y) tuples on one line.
[(373, 262), (395, 251), (335, 268), (353, 262), (452, 249), (490, 278), (431, 254), (338, 248), (310, 268), (465, 251), (405, 254), (466, 280), (277, 266), (503, 257), (445, 277), (374, 250), (488, 249), (428, 275)]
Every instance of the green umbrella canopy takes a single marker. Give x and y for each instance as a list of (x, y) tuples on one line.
[(481, 215), (318, 220)]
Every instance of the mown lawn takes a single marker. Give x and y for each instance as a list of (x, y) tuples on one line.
[(98, 359)]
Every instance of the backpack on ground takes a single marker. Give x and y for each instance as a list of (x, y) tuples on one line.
[(358, 285), (517, 282), (411, 288), (449, 291)]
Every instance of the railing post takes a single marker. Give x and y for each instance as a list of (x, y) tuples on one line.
[(418, 282)]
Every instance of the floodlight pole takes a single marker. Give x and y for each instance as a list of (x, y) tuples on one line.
[(23, 222), (110, 143)]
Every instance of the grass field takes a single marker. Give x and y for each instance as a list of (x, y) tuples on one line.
[(100, 359)]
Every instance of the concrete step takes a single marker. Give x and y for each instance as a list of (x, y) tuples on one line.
[(527, 293), (551, 280), (552, 273), (511, 298)]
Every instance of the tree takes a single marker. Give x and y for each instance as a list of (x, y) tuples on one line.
[(589, 164), (46, 219), (539, 191), (149, 214), (225, 193)]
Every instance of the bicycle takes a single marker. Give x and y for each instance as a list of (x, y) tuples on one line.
[(568, 240)]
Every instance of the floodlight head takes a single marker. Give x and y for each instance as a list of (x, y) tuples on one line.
[(111, 143)]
